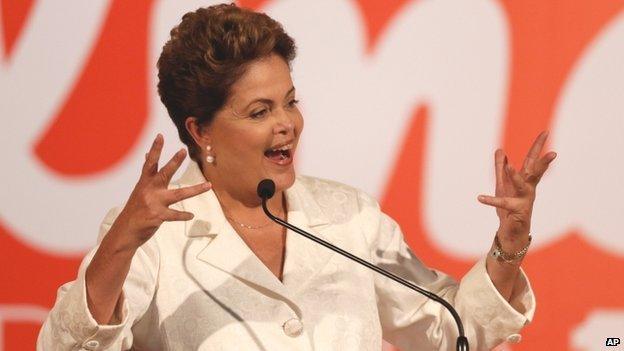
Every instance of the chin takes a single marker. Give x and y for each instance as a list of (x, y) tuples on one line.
[(283, 181)]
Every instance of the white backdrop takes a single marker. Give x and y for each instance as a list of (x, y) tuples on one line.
[(359, 99)]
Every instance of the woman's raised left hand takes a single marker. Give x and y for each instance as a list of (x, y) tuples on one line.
[(515, 192)]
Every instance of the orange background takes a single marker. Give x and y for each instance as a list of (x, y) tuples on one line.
[(546, 40)]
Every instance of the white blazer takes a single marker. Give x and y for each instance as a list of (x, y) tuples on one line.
[(196, 285)]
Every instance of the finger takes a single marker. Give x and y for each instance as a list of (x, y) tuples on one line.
[(177, 195), (518, 182), (173, 215), (499, 166), (168, 170), (541, 166), (534, 152), (507, 203), (507, 184), (151, 159)]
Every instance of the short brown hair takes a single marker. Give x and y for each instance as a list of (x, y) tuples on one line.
[(207, 53)]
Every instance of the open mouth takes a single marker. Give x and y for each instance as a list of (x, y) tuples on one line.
[(281, 155)]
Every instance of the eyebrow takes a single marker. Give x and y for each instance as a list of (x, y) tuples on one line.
[(269, 101)]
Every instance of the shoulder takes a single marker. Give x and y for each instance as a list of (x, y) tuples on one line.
[(317, 184), (328, 201), (333, 194)]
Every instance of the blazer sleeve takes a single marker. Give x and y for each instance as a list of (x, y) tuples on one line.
[(410, 321), (70, 325)]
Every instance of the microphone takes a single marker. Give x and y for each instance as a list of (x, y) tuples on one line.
[(266, 190)]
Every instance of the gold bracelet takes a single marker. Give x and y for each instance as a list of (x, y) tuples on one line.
[(509, 258)]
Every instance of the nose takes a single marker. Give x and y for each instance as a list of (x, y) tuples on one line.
[(284, 123)]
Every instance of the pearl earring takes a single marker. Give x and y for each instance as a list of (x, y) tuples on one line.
[(209, 158)]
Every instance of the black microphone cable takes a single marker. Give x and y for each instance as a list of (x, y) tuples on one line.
[(266, 190)]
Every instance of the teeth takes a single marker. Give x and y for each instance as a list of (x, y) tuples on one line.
[(284, 148)]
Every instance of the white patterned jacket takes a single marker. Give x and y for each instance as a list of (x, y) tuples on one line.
[(197, 286)]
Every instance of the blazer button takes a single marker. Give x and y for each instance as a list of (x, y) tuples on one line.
[(293, 327), (91, 345)]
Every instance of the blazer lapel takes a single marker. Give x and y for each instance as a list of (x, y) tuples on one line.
[(215, 245), (305, 258)]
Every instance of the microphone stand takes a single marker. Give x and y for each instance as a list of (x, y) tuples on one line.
[(462, 341)]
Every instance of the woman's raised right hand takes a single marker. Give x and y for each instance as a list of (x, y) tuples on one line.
[(148, 205)]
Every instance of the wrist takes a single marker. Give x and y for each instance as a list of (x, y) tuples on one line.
[(513, 243), (512, 239), (510, 254)]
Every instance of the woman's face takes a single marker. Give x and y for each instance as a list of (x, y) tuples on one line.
[(255, 135)]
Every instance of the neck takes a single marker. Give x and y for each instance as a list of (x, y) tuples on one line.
[(245, 206), (246, 210), (233, 201)]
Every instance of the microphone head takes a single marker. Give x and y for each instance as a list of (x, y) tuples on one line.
[(266, 188)]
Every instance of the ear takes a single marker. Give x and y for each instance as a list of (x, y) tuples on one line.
[(200, 134)]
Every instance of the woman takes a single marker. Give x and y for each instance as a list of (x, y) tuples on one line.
[(193, 264)]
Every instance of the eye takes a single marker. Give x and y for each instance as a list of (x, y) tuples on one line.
[(259, 114), (293, 103)]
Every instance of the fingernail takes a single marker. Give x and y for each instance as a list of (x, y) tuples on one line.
[(481, 197)]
